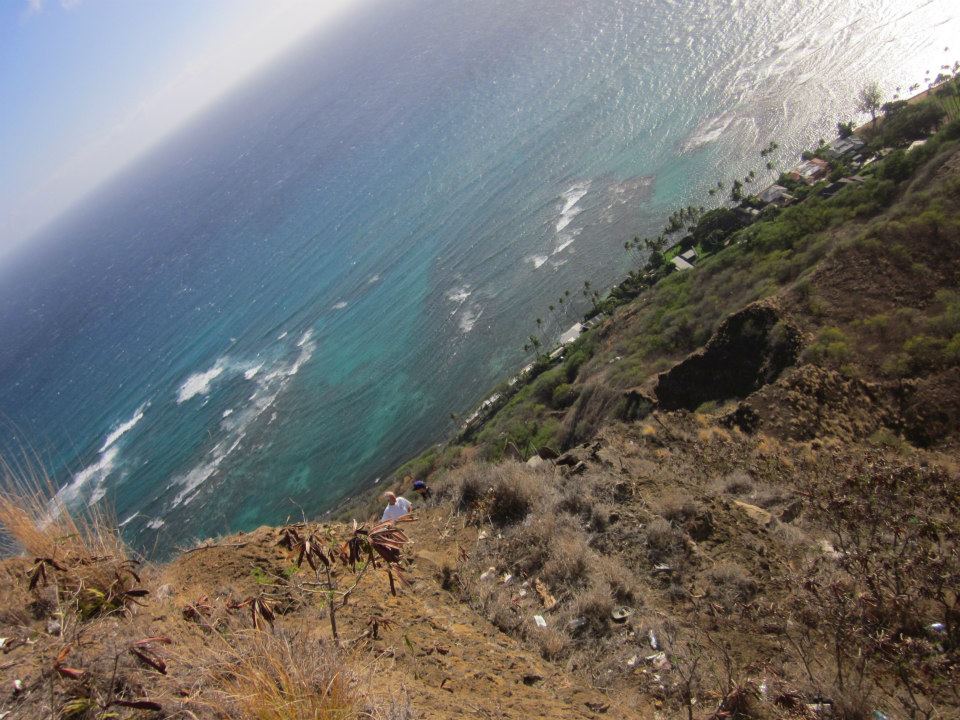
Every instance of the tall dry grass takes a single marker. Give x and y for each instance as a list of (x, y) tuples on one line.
[(36, 521), (80, 553), (259, 675)]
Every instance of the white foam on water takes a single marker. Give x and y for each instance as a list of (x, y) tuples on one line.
[(340, 305), (564, 242), (192, 480), (200, 383), (124, 427), (95, 473), (708, 131), (251, 373), (469, 318), (375, 278), (156, 524), (227, 413), (129, 520), (282, 335), (459, 294), (570, 199), (269, 384), (537, 260)]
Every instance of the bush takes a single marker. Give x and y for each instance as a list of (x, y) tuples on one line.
[(513, 494), (472, 483), (896, 167), (594, 606), (831, 348), (731, 585), (926, 353), (564, 395), (665, 544), (569, 564)]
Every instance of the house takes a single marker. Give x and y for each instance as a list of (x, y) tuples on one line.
[(680, 264), (844, 147), (690, 255), (810, 171), (776, 195), (593, 322)]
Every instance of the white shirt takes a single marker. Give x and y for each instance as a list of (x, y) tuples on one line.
[(401, 507)]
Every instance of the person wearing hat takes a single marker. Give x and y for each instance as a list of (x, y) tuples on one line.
[(422, 489), (396, 506)]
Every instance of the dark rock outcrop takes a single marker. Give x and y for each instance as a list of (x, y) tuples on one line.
[(749, 350)]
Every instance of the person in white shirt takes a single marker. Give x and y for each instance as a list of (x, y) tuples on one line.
[(396, 506)]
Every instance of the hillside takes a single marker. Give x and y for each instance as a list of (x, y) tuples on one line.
[(735, 496)]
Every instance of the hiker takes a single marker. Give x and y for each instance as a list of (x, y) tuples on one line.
[(421, 488), (396, 506)]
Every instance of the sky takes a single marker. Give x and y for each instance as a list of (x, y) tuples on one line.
[(86, 86)]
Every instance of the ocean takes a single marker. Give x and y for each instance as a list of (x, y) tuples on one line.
[(292, 294)]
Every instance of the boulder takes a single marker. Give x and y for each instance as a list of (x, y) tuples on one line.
[(760, 516)]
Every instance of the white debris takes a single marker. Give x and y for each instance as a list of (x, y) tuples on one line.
[(488, 574), (538, 619)]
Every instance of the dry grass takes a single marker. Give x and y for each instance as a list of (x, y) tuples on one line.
[(594, 606), (275, 677), (516, 489), (80, 554), (38, 523), (569, 564), (665, 544), (730, 585)]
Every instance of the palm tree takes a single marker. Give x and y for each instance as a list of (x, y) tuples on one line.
[(869, 100)]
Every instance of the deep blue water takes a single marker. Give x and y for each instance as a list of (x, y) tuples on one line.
[(290, 296)]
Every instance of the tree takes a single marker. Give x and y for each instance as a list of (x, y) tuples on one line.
[(912, 123), (656, 260), (844, 129), (714, 241), (736, 191), (869, 99), (721, 219)]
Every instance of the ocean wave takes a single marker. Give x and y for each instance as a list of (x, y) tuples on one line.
[(270, 383), (251, 373), (128, 520), (537, 260), (708, 131), (459, 294), (375, 278), (95, 473), (570, 199), (200, 383), (469, 318), (192, 480), (340, 305), (124, 427)]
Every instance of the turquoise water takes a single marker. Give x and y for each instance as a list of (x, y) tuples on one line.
[(291, 295)]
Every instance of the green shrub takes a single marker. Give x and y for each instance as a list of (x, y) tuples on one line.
[(925, 352), (564, 395), (831, 349)]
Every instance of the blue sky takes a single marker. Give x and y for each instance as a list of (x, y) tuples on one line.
[(87, 85)]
